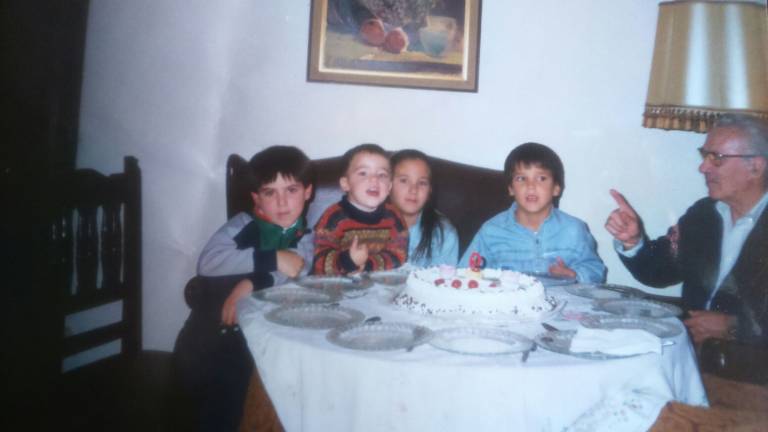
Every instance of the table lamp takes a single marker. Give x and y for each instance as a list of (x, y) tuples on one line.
[(710, 58)]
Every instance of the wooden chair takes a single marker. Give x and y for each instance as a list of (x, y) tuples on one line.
[(734, 406), (95, 261), (735, 376)]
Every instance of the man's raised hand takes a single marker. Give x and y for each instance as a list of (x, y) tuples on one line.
[(623, 223)]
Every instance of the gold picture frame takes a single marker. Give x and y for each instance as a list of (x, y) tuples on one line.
[(427, 44)]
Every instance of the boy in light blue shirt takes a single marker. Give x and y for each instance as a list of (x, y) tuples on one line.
[(533, 235)]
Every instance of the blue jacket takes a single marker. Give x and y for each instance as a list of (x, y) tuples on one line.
[(504, 243)]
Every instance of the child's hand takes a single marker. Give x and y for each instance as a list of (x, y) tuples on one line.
[(228, 312), (560, 269), (358, 252), (289, 263)]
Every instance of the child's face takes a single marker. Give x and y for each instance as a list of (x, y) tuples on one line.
[(411, 186), (282, 200), (533, 189), (367, 181)]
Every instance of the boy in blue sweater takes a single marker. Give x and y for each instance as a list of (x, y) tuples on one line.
[(269, 244), (253, 250), (534, 236)]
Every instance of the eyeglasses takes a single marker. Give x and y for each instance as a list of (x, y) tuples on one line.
[(717, 159)]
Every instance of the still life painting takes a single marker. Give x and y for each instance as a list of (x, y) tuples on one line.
[(405, 43)]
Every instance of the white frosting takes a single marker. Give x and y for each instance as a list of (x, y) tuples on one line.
[(492, 291)]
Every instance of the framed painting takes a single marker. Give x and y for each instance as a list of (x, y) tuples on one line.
[(431, 44)]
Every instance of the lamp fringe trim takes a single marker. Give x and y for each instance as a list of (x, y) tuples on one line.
[(699, 120)]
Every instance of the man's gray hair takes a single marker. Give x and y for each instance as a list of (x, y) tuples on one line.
[(755, 128)]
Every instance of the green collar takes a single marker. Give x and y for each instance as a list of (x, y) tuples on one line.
[(273, 236)]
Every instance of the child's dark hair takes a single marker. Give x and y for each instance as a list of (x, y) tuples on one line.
[(287, 161), (430, 217), (536, 154), (346, 159)]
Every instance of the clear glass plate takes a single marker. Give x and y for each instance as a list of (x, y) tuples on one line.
[(314, 316), (662, 329), (389, 277), (560, 342), (335, 283), (639, 308), (379, 336), (603, 291), (480, 341), (549, 280), (287, 294)]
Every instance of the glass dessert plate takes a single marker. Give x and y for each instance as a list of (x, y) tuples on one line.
[(379, 336), (603, 291), (288, 294), (337, 283), (314, 316), (639, 308), (480, 341), (560, 342), (662, 329), (389, 277)]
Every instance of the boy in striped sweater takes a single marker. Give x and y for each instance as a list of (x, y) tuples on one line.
[(361, 232)]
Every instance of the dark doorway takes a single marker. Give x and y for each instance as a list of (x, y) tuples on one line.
[(42, 48)]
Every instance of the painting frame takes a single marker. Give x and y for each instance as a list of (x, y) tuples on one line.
[(338, 54)]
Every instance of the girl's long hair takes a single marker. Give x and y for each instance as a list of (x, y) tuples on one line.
[(431, 226)]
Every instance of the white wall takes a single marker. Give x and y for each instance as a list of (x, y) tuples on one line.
[(182, 84)]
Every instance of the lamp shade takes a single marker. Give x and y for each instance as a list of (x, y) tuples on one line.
[(710, 57)]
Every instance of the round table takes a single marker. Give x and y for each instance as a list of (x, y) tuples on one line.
[(318, 386)]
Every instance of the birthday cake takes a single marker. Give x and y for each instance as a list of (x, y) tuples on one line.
[(467, 291)]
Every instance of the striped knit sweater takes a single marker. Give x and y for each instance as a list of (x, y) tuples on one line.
[(383, 230)]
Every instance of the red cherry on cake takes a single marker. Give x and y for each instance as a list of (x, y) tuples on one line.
[(439, 282), (473, 284), (456, 283)]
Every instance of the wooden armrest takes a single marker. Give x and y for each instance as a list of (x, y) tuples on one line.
[(733, 406), (681, 417), (209, 292), (259, 413), (725, 393)]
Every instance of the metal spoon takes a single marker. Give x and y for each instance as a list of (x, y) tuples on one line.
[(550, 327)]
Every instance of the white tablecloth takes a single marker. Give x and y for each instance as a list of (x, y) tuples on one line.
[(317, 386)]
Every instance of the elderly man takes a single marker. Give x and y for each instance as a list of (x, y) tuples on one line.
[(719, 248)]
